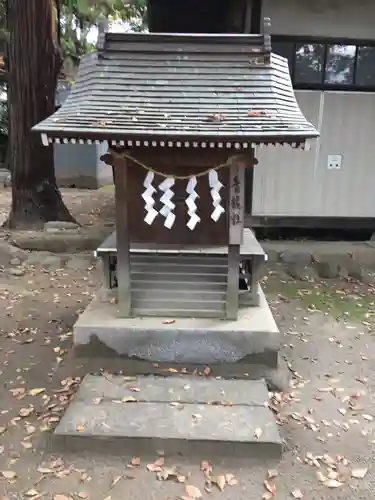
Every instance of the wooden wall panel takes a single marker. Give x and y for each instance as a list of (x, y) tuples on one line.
[(207, 232)]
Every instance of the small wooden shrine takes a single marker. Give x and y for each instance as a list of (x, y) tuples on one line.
[(183, 116)]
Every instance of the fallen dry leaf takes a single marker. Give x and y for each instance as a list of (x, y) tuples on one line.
[(2, 430), (62, 497), (170, 473), (169, 321), (216, 117), (231, 480), (153, 468), (258, 432), (267, 495), (36, 391), (221, 482), (115, 481), (135, 462), (8, 474), (321, 477), (332, 483), (134, 389), (83, 495), (272, 473), (177, 404), (332, 474), (270, 487), (207, 371), (193, 491), (129, 399), (359, 473), (297, 493), (206, 466), (156, 466), (45, 470), (256, 113), (17, 393), (31, 493), (27, 445), (159, 461), (26, 412)]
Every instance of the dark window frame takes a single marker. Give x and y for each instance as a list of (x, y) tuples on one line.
[(326, 41)]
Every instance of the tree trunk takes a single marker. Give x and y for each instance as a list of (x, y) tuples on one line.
[(34, 65)]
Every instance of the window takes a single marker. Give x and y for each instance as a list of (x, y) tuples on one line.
[(365, 74), (309, 63), (285, 49), (340, 64), (328, 64)]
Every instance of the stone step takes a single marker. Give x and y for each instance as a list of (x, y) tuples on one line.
[(178, 340), (175, 414), (277, 376)]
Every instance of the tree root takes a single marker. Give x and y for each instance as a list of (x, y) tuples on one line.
[(31, 209)]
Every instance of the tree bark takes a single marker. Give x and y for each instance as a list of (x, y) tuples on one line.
[(34, 65)]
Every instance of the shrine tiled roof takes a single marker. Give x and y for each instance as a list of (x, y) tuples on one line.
[(141, 88)]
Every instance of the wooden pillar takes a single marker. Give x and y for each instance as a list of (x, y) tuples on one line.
[(123, 253), (236, 227)]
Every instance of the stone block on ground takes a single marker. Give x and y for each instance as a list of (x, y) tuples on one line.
[(296, 258), (179, 340), (56, 226), (80, 261), (80, 240), (16, 271), (301, 272), (53, 262), (328, 269), (369, 278), (36, 258), (11, 255), (171, 413)]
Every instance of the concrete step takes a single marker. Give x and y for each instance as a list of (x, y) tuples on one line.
[(277, 375), (178, 340), (174, 414)]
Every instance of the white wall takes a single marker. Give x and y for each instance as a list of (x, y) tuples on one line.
[(331, 18), (297, 183)]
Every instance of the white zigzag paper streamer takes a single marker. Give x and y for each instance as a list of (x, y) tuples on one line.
[(215, 186), (166, 199), (147, 196), (190, 203)]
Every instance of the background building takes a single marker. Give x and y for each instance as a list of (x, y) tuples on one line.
[(330, 45)]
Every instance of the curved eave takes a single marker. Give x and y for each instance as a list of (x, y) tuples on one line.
[(178, 142), (208, 93)]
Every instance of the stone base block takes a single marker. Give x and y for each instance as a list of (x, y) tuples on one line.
[(253, 338)]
